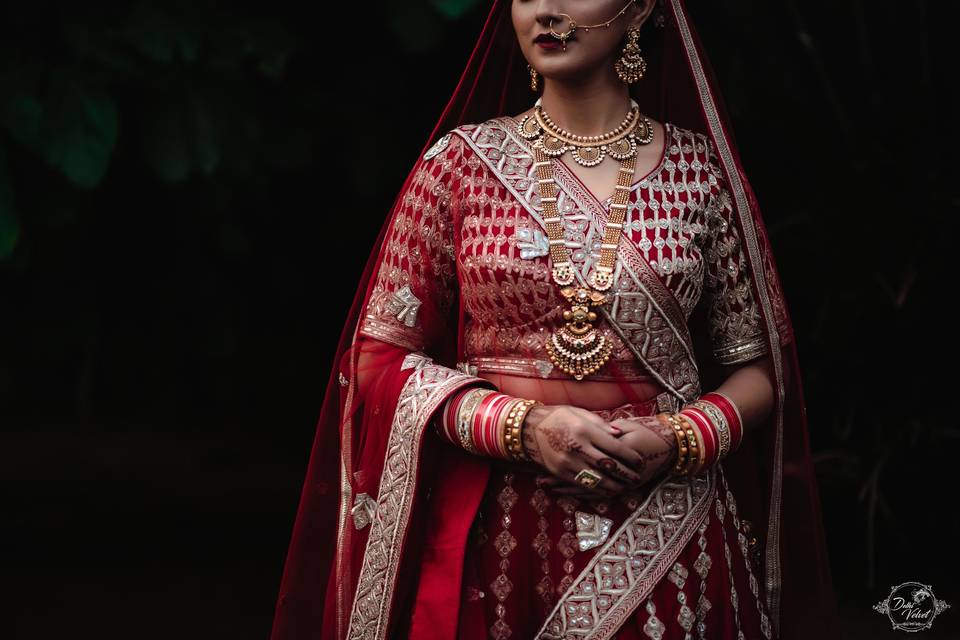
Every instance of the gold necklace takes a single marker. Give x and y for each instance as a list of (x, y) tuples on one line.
[(578, 348), (588, 151)]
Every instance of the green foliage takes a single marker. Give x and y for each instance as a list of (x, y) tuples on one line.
[(184, 89), (454, 9), (71, 125)]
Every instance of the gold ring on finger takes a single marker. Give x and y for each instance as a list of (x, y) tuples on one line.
[(588, 478)]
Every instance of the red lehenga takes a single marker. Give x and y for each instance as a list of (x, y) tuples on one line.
[(402, 535)]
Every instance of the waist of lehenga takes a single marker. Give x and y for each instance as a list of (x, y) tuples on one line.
[(619, 385), (612, 370)]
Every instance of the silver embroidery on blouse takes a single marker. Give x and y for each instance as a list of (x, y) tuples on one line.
[(544, 367), (437, 147), (532, 243), (404, 305), (592, 530)]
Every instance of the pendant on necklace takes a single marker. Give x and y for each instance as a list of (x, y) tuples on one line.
[(577, 347)]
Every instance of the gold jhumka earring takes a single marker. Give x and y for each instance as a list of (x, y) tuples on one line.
[(631, 66), (533, 78)]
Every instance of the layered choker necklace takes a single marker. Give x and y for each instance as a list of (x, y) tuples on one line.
[(578, 348)]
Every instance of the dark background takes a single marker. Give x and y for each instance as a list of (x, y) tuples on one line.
[(188, 192)]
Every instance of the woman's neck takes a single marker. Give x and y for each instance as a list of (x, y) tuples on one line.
[(586, 111)]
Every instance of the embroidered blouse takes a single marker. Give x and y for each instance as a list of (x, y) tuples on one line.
[(470, 228)]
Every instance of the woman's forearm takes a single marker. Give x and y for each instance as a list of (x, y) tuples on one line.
[(750, 388)]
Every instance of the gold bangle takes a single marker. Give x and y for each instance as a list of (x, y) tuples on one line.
[(507, 418), (683, 459), (697, 449), (502, 430), (513, 423), (521, 422)]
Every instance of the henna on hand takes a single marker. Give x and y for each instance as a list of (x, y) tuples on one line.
[(662, 429), (531, 446), (609, 465), (559, 438), (659, 459)]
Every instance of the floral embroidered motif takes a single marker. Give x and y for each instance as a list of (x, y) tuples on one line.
[(437, 147), (685, 616), (567, 544), (403, 305), (540, 501), (532, 243), (702, 566), (592, 530), (363, 510), (505, 543), (654, 627)]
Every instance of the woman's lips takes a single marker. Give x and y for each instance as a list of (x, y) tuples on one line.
[(549, 42)]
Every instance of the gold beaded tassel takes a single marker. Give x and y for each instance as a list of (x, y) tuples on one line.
[(562, 269), (602, 276)]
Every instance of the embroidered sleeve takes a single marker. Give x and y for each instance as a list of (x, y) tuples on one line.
[(416, 278), (736, 328)]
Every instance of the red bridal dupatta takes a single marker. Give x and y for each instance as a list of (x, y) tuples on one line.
[(385, 509)]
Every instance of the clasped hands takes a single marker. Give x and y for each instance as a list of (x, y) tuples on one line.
[(627, 452)]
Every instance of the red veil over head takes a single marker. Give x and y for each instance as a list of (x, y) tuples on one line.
[(771, 474)]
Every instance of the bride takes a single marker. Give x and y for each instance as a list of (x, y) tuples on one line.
[(567, 400)]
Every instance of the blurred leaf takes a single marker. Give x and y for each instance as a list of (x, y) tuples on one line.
[(454, 9), (73, 127)]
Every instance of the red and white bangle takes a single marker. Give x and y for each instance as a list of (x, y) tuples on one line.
[(717, 420), (732, 414), (484, 422)]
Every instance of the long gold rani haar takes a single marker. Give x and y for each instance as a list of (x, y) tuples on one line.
[(578, 348)]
